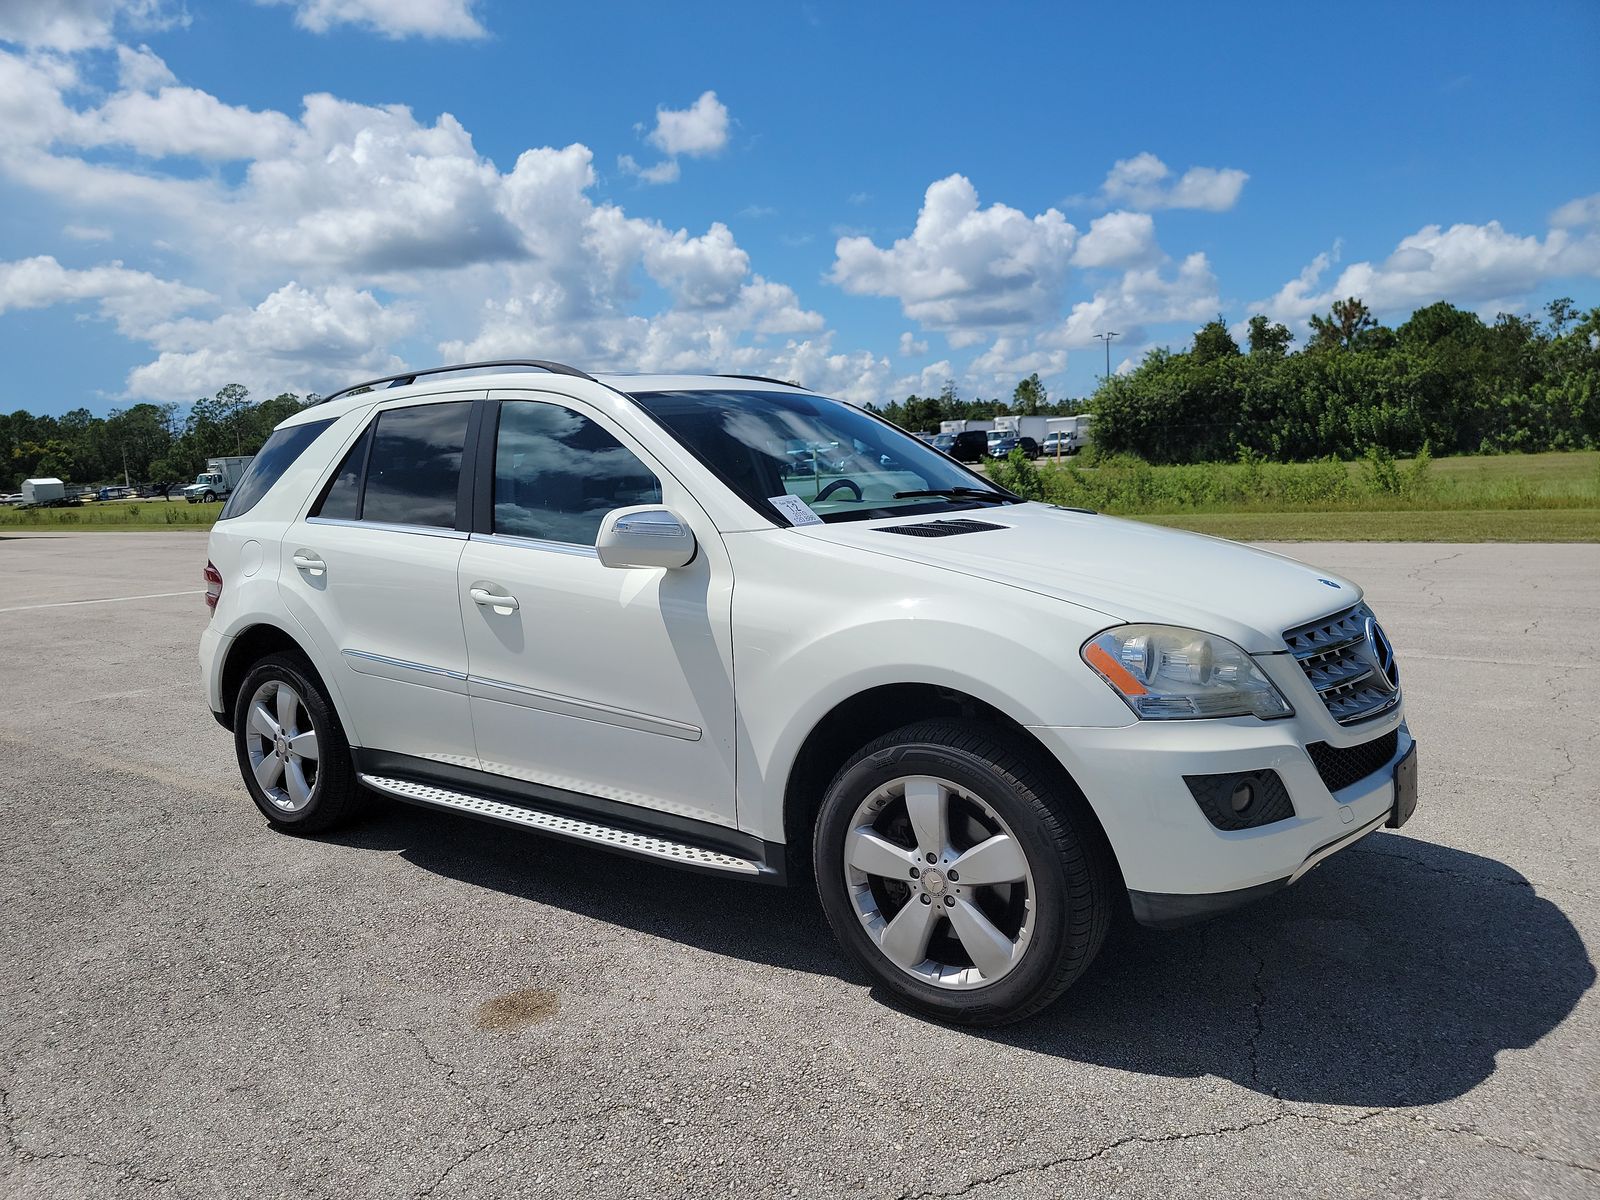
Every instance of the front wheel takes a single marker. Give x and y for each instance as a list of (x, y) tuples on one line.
[(953, 873), (211, 497), (291, 748)]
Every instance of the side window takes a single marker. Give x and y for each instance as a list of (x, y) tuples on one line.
[(405, 470), (269, 464), (342, 500), (557, 474)]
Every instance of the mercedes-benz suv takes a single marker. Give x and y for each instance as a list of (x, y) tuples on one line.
[(610, 610)]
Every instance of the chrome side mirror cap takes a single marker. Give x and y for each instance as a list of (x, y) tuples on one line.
[(645, 535)]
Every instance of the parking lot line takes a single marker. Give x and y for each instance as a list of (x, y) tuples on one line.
[(105, 600)]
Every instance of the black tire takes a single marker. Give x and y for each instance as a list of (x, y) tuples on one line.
[(211, 497), (336, 796), (1070, 863)]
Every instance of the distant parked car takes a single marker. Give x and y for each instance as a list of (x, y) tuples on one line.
[(1001, 447), (11, 498), (1061, 443), (968, 447)]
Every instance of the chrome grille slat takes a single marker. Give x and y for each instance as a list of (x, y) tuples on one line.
[(1338, 662)]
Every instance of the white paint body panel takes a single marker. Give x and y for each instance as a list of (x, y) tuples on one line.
[(692, 691)]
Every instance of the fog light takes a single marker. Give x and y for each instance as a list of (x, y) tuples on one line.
[(1243, 796)]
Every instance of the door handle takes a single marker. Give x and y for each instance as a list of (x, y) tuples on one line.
[(501, 604), (306, 560)]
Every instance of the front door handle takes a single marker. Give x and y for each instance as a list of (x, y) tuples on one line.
[(306, 560), (500, 603)]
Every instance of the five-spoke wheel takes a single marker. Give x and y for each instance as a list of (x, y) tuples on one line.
[(291, 748), (967, 879)]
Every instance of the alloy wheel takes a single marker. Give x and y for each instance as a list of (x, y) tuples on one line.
[(281, 740)]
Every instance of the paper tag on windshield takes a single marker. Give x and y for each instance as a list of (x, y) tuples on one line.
[(795, 509)]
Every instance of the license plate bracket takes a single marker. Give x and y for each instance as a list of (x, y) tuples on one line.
[(1405, 789)]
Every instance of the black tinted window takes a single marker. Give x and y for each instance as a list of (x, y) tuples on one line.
[(342, 500), (414, 467), (557, 473), (271, 461)]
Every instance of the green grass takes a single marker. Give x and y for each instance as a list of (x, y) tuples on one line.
[(1415, 525), (114, 515), (1534, 497)]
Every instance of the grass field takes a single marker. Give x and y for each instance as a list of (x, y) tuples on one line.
[(1499, 498), (114, 515)]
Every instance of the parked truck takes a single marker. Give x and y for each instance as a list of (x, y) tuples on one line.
[(219, 478)]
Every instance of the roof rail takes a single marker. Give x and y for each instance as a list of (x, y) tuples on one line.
[(765, 379), (409, 377)]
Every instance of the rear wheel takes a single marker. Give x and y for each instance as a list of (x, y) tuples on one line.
[(291, 748), (956, 878)]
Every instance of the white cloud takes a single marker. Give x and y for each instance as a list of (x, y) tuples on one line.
[(965, 269), (665, 171), (1468, 264), (392, 18), (87, 233), (295, 338), (697, 131), (1143, 296), (135, 300), (1585, 210), (1118, 239), (1145, 182), (142, 70), (911, 347), (185, 122), (72, 25)]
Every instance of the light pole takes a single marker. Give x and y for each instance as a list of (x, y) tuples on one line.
[(1106, 338)]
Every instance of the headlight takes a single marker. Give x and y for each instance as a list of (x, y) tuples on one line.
[(1165, 673)]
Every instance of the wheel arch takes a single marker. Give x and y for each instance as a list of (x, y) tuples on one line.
[(249, 647), (867, 716)]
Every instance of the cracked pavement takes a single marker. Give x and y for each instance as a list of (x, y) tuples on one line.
[(191, 1005)]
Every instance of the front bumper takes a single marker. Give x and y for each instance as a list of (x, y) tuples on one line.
[(1176, 865)]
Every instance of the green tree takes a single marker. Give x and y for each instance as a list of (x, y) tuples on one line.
[(1030, 399), (1269, 337), (1213, 341), (1342, 328)]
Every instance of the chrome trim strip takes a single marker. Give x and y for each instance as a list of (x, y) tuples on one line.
[(425, 530), (586, 710), (592, 832), (1333, 847), (524, 543), (403, 671)]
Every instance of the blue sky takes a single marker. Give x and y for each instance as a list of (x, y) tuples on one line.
[(871, 198)]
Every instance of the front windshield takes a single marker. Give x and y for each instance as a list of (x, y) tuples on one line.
[(840, 462)]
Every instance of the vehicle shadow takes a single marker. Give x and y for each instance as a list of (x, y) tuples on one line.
[(1391, 976)]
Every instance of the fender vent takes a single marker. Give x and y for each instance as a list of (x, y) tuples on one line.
[(942, 528)]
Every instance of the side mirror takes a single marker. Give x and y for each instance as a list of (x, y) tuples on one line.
[(646, 535)]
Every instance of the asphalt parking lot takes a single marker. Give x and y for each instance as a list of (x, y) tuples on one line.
[(192, 1005)]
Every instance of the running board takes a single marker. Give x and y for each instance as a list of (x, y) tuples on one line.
[(607, 837)]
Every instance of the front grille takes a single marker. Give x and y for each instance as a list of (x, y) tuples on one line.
[(1353, 672), (1340, 766), (947, 528)]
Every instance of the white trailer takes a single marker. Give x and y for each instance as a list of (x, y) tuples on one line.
[(43, 493), (219, 478), (964, 426)]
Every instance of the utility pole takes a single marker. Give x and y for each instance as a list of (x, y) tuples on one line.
[(1106, 338)]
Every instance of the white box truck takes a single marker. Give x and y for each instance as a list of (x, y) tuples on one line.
[(219, 478)]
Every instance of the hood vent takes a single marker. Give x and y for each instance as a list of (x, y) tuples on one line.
[(942, 528)]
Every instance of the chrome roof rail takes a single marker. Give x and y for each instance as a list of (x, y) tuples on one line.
[(410, 377)]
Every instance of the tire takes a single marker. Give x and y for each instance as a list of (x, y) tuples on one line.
[(991, 788), (297, 791), (211, 497)]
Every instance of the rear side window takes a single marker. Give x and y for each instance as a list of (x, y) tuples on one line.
[(405, 470), (271, 461), (557, 474)]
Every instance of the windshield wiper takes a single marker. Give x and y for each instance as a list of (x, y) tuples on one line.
[(958, 493)]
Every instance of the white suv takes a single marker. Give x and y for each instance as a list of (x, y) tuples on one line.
[(622, 611)]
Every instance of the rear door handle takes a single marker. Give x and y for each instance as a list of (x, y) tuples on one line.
[(306, 560), (500, 603)]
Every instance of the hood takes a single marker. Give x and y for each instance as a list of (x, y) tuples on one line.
[(1127, 570)]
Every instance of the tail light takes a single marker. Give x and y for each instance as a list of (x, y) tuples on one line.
[(213, 586)]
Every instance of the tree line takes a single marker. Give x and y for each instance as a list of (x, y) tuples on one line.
[(144, 443), (1444, 380)]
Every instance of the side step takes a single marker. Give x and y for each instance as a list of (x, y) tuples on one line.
[(608, 837)]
